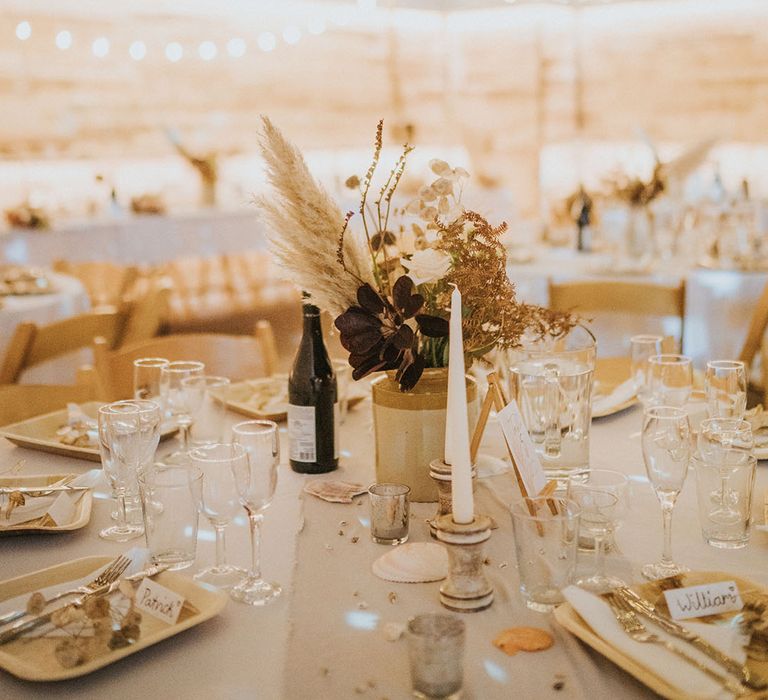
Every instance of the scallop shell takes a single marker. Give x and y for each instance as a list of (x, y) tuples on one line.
[(335, 491), (415, 562)]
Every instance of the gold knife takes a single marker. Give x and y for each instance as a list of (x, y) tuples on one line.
[(644, 607), (23, 626)]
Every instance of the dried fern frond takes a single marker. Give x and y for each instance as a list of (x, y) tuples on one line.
[(305, 225)]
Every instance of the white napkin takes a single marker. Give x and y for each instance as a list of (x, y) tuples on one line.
[(140, 560), (673, 669), (622, 393), (76, 416), (60, 506)]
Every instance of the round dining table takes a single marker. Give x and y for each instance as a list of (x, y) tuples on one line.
[(329, 634)]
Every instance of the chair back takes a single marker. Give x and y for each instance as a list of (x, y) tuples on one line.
[(107, 283), (238, 357), (21, 401)]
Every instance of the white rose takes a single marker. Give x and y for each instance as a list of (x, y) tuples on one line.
[(428, 265)]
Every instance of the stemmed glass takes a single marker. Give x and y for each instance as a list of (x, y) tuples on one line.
[(666, 442), (643, 347), (175, 399), (206, 397), (599, 511), (256, 480), (129, 432), (725, 384), (670, 379), (146, 377), (220, 503)]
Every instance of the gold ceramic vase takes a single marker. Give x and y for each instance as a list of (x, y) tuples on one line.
[(409, 429)]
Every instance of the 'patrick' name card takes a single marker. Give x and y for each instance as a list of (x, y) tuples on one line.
[(707, 599), (159, 601), (522, 448)]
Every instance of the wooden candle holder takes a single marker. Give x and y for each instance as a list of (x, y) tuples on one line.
[(466, 589), (441, 473)]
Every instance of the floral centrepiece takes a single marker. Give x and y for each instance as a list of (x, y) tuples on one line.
[(389, 286)]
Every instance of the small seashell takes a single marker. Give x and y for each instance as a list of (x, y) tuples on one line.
[(354, 539), (69, 653), (415, 562), (392, 597), (36, 603), (334, 491), (393, 631)]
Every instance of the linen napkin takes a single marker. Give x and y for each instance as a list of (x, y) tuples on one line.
[(673, 669), (59, 506), (140, 559), (623, 392)]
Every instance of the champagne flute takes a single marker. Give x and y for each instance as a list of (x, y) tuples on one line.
[(666, 442), (129, 432), (256, 479), (175, 399), (146, 377), (725, 384), (671, 380), (220, 503), (643, 347)]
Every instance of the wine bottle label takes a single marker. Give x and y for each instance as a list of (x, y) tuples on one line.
[(301, 433)]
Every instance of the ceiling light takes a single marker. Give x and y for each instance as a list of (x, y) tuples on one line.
[(137, 50), (24, 30), (64, 40), (267, 41), (316, 26), (236, 47), (174, 51), (207, 50), (291, 34), (100, 47)]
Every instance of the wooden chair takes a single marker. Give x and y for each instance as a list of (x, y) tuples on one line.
[(238, 357), (637, 298), (146, 315), (754, 342), (32, 344), (107, 283), (21, 401)]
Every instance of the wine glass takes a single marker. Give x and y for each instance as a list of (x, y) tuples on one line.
[(666, 442), (206, 397), (725, 384), (643, 347), (129, 432), (175, 399), (670, 380), (146, 377), (256, 479), (220, 503), (599, 511)]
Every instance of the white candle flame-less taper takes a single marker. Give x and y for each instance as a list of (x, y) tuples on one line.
[(457, 422)]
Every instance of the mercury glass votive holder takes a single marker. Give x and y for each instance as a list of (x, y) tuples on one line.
[(436, 653), (389, 513)]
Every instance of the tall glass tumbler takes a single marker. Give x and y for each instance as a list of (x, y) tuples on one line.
[(725, 383), (176, 399), (643, 347), (670, 380), (206, 398), (146, 377)]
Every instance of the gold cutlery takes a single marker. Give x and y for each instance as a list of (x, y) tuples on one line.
[(23, 626), (635, 628), (110, 574), (38, 491), (644, 607)]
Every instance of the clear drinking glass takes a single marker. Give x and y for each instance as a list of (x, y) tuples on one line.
[(666, 441), (670, 379), (256, 480), (725, 383), (343, 372), (170, 500), (614, 482), (718, 435), (643, 347), (206, 399), (599, 512), (436, 655), (129, 432), (175, 398), (389, 513), (724, 489), (546, 533), (220, 503), (146, 377)]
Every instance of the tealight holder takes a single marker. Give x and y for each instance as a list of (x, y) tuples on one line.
[(441, 474), (466, 589)]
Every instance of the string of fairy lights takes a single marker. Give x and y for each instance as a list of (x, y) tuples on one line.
[(207, 50)]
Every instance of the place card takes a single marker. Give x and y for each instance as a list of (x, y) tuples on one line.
[(699, 601), (159, 601), (522, 449)]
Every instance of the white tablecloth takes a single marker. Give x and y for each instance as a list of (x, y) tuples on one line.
[(70, 298), (281, 651)]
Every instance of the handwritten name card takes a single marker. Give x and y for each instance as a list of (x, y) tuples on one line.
[(708, 599), (522, 448), (159, 601)]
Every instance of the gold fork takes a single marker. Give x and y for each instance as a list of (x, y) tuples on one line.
[(634, 627), (109, 575)]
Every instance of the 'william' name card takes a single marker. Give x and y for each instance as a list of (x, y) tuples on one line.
[(522, 448), (707, 599), (159, 601)]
